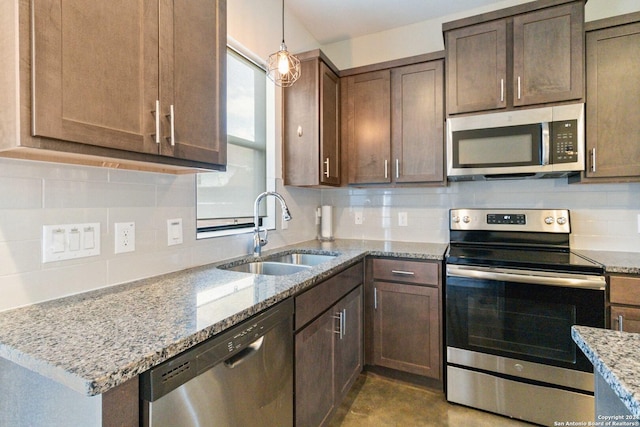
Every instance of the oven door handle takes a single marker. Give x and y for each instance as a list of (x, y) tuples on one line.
[(567, 280)]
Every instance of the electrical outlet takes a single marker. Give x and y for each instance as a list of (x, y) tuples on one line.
[(402, 219), (358, 217), (125, 237)]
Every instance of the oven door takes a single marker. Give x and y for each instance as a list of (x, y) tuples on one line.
[(522, 315)]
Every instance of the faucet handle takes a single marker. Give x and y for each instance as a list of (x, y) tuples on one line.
[(263, 240)]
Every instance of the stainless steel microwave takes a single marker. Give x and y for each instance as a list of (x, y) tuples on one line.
[(543, 142)]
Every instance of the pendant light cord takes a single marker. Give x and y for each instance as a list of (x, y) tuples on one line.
[(282, 21)]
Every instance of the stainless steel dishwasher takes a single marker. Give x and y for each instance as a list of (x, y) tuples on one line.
[(242, 377)]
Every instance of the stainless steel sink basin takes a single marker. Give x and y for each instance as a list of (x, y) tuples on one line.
[(302, 259), (268, 268)]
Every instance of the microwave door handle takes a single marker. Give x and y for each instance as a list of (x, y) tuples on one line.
[(545, 143)]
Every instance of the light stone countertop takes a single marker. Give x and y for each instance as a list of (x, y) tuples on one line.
[(616, 356), (615, 262), (97, 340)]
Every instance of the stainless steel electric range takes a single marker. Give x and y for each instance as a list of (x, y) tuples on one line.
[(514, 288)]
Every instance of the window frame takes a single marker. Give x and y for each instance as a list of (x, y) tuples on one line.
[(269, 221)]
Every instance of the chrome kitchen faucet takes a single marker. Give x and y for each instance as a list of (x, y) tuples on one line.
[(258, 241)]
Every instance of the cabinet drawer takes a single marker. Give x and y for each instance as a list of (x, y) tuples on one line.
[(426, 273), (316, 300), (630, 318), (624, 290)]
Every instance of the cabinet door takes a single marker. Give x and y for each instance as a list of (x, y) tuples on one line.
[(192, 79), (95, 72), (368, 127), (314, 371), (476, 65), (407, 328), (417, 125), (630, 318), (311, 127), (329, 126), (301, 127), (548, 56), (613, 89), (348, 357)]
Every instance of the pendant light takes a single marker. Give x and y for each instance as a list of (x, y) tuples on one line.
[(282, 67)]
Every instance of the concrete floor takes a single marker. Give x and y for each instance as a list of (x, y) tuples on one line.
[(382, 402)]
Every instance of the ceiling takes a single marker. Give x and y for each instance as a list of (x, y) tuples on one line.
[(330, 21)]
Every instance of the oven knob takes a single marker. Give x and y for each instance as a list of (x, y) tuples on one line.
[(466, 219), (562, 220), (456, 219), (549, 220)]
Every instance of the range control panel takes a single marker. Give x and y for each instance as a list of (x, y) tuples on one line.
[(564, 141), (533, 220)]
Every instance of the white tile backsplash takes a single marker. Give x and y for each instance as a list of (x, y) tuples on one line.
[(604, 216), (32, 194)]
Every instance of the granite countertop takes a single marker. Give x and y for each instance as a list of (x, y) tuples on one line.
[(97, 340), (615, 262), (616, 356)]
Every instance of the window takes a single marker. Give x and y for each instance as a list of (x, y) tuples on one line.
[(225, 199)]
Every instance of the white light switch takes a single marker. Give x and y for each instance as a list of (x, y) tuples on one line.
[(70, 241), (174, 231)]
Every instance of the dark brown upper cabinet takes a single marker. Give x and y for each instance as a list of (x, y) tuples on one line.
[(139, 84), (613, 99), (312, 124), (392, 123), (520, 56)]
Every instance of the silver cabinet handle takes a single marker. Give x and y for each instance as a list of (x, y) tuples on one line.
[(156, 114), (375, 298), (593, 159), (340, 317), (386, 168), (397, 168), (518, 87), (620, 319), (171, 116), (403, 273), (344, 322), (501, 90), (326, 172)]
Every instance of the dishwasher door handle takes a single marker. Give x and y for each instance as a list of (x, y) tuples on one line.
[(250, 350)]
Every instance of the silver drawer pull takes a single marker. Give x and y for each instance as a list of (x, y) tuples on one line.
[(620, 319), (403, 273)]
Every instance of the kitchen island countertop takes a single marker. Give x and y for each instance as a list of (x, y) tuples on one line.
[(95, 341), (616, 357)]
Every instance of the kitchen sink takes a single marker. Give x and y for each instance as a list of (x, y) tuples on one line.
[(268, 268), (281, 265), (302, 258)]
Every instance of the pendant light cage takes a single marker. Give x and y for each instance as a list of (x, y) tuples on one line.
[(283, 68)]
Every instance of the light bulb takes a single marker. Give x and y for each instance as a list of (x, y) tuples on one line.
[(283, 63)]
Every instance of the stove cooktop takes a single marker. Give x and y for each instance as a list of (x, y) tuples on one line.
[(524, 258)]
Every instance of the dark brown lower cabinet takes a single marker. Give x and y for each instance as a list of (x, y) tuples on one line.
[(624, 295), (328, 350), (406, 335), (403, 308)]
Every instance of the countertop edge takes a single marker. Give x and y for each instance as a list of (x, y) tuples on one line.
[(618, 385)]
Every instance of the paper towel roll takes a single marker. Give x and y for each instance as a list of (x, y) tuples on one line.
[(326, 223)]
